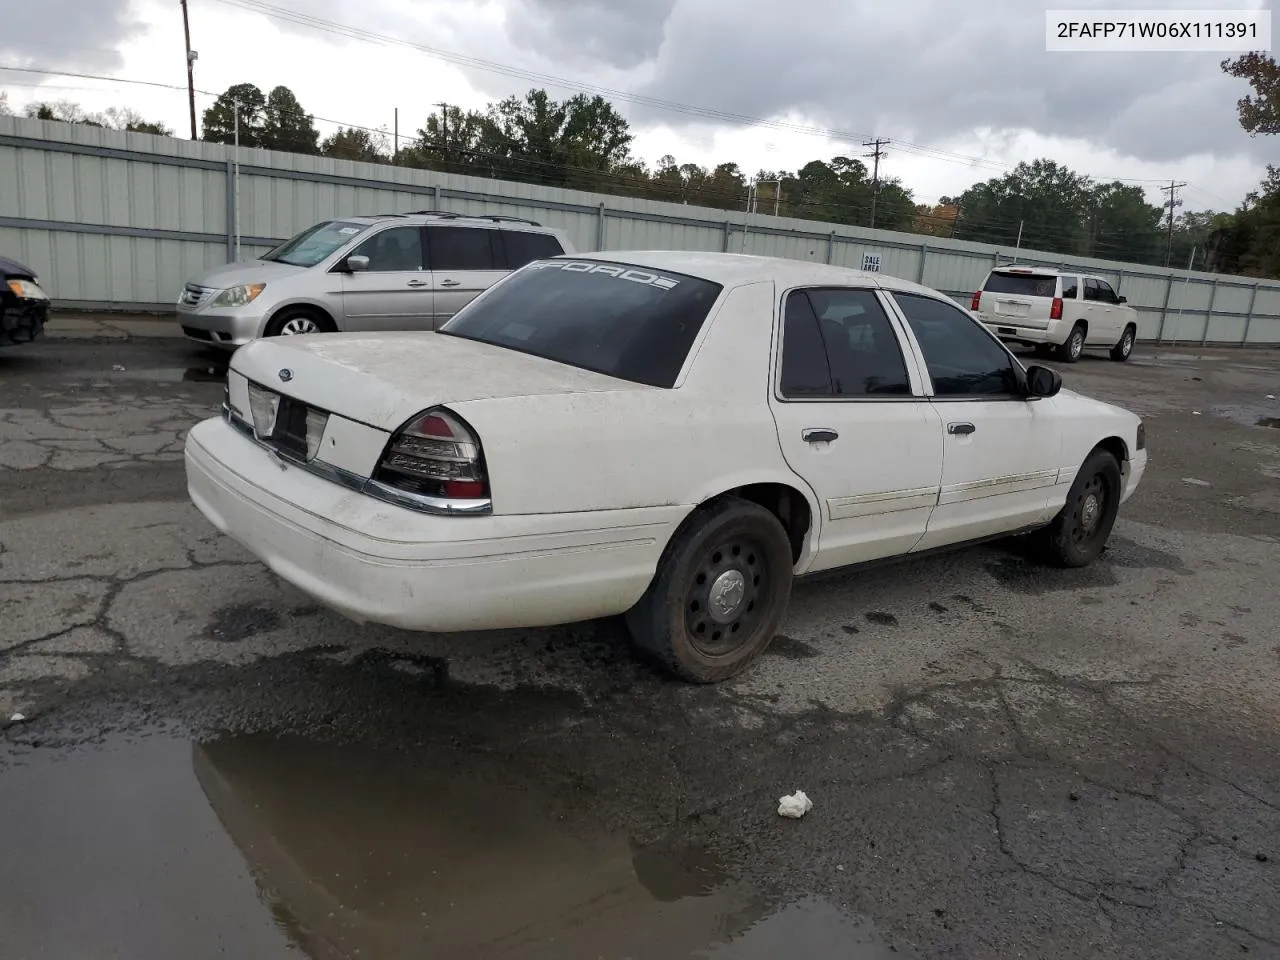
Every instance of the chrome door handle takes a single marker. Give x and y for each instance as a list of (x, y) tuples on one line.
[(417, 283), (449, 283), (961, 429), (818, 435)]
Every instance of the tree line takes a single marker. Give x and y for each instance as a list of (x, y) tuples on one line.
[(583, 143)]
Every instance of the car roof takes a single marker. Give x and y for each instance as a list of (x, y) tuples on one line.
[(735, 269), (1043, 271)]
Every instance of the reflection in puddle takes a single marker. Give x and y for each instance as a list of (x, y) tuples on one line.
[(209, 373), (431, 852), (1269, 422)]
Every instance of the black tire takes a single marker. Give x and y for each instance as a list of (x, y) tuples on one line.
[(1080, 530), (1121, 351), (298, 320), (1073, 348), (673, 624)]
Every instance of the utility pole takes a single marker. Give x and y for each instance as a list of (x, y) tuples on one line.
[(395, 143), (191, 59), (1173, 202), (877, 153), (444, 133)]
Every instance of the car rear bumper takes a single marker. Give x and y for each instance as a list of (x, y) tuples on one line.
[(385, 564), (1017, 331), (227, 330), (22, 320)]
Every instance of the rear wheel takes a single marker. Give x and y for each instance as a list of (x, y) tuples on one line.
[(298, 320), (718, 595), (1071, 350), (1122, 349), (1080, 531)]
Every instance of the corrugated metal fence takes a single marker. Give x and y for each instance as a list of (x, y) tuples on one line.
[(116, 220)]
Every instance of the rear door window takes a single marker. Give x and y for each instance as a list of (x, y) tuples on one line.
[(1021, 284), (1091, 290), (464, 248)]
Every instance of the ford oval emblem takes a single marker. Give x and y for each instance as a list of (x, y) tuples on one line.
[(286, 374)]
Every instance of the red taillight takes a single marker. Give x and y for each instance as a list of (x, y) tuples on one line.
[(977, 298), (1055, 311), (435, 455)]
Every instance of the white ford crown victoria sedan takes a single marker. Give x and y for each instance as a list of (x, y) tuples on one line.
[(671, 436)]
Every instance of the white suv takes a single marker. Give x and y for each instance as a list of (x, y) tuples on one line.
[(395, 271), (1058, 311)]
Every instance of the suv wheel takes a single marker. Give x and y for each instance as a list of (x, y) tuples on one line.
[(1122, 349), (1071, 350)]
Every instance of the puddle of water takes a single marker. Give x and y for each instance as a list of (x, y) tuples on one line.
[(203, 374), (1269, 422), (268, 846)]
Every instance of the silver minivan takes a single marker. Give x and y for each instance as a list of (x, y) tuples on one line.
[(409, 271)]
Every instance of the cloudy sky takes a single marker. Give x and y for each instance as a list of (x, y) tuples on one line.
[(963, 90)]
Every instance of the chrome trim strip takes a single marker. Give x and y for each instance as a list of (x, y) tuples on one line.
[(891, 501), (437, 506)]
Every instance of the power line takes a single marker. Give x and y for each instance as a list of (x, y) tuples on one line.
[(359, 33)]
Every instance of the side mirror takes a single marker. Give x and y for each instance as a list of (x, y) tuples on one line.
[(1042, 382), (357, 263), (1122, 299)]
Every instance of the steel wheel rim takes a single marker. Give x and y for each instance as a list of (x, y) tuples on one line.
[(1127, 343), (724, 598), (1089, 508), (1077, 343), (299, 325)]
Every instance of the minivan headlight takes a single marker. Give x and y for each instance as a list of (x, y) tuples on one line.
[(238, 296)]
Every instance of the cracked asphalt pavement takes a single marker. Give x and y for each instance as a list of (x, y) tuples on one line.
[(1004, 760)]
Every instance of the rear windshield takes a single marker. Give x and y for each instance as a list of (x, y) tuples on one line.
[(1022, 284), (613, 318)]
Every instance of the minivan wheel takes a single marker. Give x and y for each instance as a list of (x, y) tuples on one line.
[(718, 595), (289, 323), (1081, 529), (1122, 349), (1071, 350)]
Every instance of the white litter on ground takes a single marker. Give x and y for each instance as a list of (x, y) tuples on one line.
[(17, 718), (1198, 483), (1195, 413), (1271, 396), (794, 806)]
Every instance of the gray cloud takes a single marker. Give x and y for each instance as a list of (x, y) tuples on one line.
[(65, 34), (622, 33), (918, 70)]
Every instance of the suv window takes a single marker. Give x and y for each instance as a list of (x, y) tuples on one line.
[(1091, 291), (614, 318), (1070, 288), (464, 248), (860, 355), (524, 247), (962, 358), (1105, 293), (1022, 284), (399, 248)]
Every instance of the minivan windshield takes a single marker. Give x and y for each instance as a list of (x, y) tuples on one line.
[(315, 243), (617, 319), (1022, 284)]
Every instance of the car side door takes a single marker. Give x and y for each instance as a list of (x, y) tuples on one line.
[(1000, 461), (394, 291), (854, 423), (1116, 314), (1098, 312), (465, 262)]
